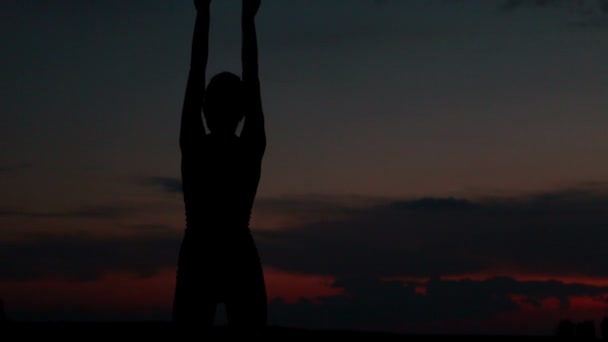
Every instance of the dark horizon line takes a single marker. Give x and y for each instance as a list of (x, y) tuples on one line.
[(159, 326)]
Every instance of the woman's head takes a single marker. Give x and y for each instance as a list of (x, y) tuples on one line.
[(223, 103)]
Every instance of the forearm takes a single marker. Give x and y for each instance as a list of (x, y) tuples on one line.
[(198, 63), (249, 50), (200, 42), (191, 123), (253, 129)]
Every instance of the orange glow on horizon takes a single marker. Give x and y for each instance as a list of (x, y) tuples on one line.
[(569, 279), (583, 280), (113, 292), (293, 286), (139, 297), (421, 290)]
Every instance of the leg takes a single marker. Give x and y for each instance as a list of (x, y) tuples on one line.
[(246, 303), (191, 303)]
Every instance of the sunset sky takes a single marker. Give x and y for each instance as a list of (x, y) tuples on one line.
[(432, 165)]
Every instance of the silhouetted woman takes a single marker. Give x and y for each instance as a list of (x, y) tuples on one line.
[(218, 259)]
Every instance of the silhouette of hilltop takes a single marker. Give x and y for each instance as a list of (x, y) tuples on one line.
[(3, 317), (68, 331)]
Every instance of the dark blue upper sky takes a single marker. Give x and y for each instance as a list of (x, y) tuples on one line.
[(456, 95)]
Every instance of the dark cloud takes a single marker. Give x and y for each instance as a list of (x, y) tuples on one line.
[(15, 168), (166, 184), (512, 4), (99, 212), (584, 13), (381, 2), (87, 258), (368, 303), (557, 233), (305, 203), (150, 228), (83, 314), (309, 209), (584, 7), (561, 233), (305, 208), (578, 5)]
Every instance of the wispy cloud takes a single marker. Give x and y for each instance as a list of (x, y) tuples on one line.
[(581, 6), (87, 258), (583, 13), (14, 168), (381, 2), (99, 212), (584, 9), (166, 184)]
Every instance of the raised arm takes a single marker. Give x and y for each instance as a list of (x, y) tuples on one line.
[(253, 128), (192, 129)]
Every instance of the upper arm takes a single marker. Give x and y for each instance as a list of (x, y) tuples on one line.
[(192, 129), (254, 131)]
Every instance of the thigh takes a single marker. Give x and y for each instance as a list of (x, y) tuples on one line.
[(191, 308), (246, 299), (195, 298), (248, 309)]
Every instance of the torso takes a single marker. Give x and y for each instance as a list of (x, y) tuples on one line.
[(220, 180)]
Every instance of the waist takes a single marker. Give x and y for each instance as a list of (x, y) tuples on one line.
[(217, 237), (217, 227)]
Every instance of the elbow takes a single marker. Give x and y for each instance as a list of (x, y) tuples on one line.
[(263, 143)]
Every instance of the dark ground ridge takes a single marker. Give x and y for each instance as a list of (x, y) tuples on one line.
[(82, 330)]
